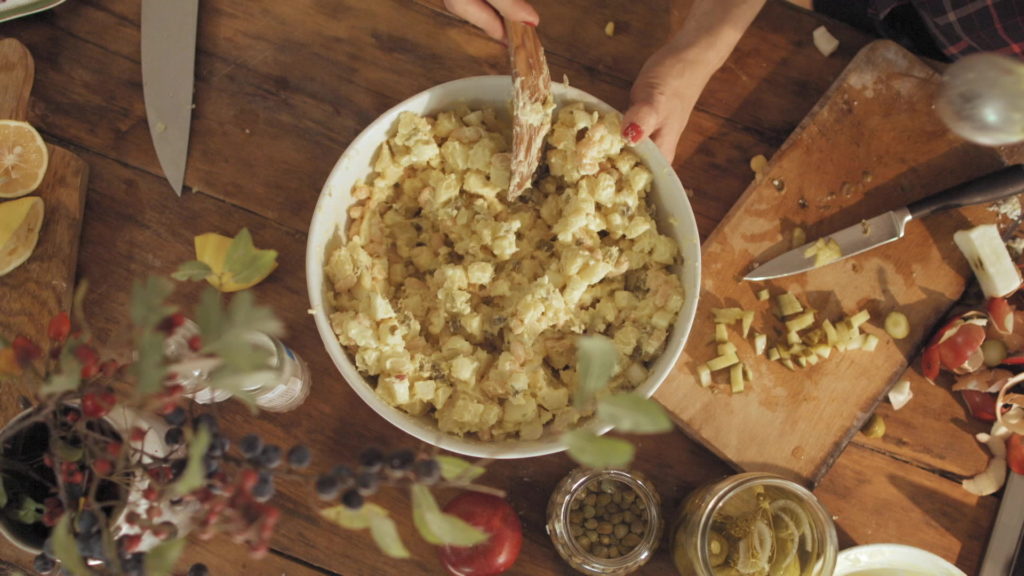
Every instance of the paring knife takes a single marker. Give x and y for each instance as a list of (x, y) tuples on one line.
[(531, 103), (168, 67), (890, 226)]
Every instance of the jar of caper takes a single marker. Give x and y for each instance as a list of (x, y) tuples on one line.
[(605, 522)]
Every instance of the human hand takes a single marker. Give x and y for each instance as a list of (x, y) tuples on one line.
[(662, 99), (487, 14)]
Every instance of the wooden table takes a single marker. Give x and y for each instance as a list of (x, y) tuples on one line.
[(283, 87)]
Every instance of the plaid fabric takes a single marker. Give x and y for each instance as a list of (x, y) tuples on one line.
[(961, 27)]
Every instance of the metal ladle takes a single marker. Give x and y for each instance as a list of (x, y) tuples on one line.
[(982, 99)]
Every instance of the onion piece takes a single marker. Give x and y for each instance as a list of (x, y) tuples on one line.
[(824, 41), (900, 394), (1012, 419), (799, 517), (991, 381)]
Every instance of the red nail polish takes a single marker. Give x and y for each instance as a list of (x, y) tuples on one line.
[(633, 132)]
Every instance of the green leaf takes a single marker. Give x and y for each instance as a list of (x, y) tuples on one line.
[(634, 414), (30, 511), (244, 315), (160, 561), (192, 270), (595, 451), (78, 305), (69, 453), (210, 315), (66, 550), (193, 476), (149, 367), (385, 535), (439, 528), (70, 376), (149, 302), (596, 357), (349, 519), (454, 468), (3, 493), (246, 263)]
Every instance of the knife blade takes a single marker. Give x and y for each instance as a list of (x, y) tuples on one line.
[(168, 68), (890, 226)]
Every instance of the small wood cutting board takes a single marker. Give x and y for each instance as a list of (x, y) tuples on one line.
[(41, 287), (872, 143)]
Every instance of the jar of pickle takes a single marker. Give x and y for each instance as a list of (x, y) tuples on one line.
[(605, 522), (754, 523)]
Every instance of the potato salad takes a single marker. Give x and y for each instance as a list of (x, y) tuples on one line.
[(455, 302)]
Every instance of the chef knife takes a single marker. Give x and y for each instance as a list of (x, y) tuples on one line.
[(168, 66), (890, 226)]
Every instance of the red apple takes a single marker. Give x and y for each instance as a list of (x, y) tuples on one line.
[(494, 516)]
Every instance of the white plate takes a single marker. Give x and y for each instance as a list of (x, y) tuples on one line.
[(12, 9), (892, 560), (672, 209)]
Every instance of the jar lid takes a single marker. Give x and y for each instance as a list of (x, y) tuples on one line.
[(866, 560)]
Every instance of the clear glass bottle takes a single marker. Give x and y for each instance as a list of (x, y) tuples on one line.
[(720, 519), (284, 386), (626, 511)]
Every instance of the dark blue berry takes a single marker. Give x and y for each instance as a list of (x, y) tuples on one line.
[(198, 570), (218, 446), (209, 421), (352, 500), (299, 456), (175, 417), (87, 521), (343, 473), (250, 445), (328, 486), (263, 490), (371, 459), (427, 471), (44, 564), (401, 460), (367, 483), (174, 436), (270, 456)]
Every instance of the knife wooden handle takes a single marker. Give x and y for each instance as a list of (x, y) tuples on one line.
[(987, 188)]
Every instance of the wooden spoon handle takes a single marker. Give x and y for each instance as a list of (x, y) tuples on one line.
[(531, 103)]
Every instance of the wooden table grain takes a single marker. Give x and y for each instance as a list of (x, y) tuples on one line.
[(283, 87)]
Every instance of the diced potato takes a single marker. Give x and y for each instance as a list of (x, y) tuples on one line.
[(870, 342), (773, 354), (859, 318), (721, 334), (747, 320), (793, 338), (724, 361), (726, 348), (760, 342), (763, 295), (726, 315), (736, 378), (800, 322), (799, 237), (788, 304), (831, 337), (704, 375)]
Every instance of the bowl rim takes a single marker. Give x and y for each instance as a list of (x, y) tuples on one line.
[(883, 555), (315, 255)]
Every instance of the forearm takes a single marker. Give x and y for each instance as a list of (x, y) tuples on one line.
[(710, 33)]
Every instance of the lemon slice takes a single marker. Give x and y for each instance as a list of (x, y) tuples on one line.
[(23, 158), (20, 222), (212, 249)]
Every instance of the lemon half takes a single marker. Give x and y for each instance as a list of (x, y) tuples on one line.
[(20, 222), (23, 158)]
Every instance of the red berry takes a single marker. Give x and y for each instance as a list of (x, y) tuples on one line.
[(109, 368), (138, 435), (89, 370), (25, 351), (131, 542), (73, 475), (150, 493), (48, 460), (60, 328), (247, 479), (174, 391), (103, 467), (169, 323), (114, 448), (153, 512), (92, 406), (195, 343), (72, 416), (87, 354)]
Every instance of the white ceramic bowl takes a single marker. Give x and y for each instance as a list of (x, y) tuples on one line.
[(674, 215), (888, 559)]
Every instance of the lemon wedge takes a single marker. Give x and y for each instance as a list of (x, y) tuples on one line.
[(23, 158), (212, 250), (20, 222)]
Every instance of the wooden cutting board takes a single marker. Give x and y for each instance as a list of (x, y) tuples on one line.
[(41, 287), (871, 144)]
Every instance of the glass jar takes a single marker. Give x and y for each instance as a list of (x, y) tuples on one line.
[(759, 520), (283, 386), (605, 522)]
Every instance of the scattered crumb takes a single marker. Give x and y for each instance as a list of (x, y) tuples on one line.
[(824, 41), (609, 29), (161, 127), (565, 80), (1009, 207)]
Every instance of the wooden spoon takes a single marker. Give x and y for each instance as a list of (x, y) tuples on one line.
[(531, 103)]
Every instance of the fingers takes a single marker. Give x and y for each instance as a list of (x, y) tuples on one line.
[(667, 141), (488, 15), (639, 121), (480, 14), (649, 120)]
